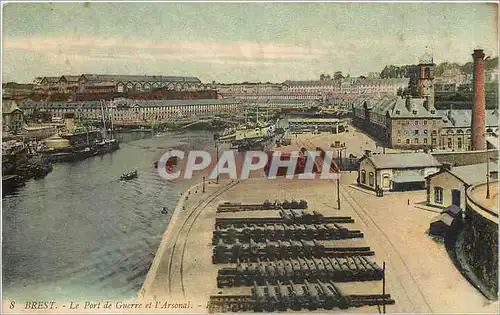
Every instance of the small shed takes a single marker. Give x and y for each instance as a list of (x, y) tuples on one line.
[(453, 210), (441, 224)]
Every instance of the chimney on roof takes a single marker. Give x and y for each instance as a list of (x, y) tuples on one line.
[(368, 153), (478, 108)]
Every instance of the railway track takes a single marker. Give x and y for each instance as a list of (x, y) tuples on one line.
[(217, 194), (184, 234), (394, 259)]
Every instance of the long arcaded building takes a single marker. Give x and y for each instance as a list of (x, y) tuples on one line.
[(95, 83)]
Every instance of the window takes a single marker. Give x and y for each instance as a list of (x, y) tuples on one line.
[(459, 143), (416, 140), (416, 131), (433, 141), (438, 195), (416, 121), (449, 142), (434, 132), (370, 179), (407, 141), (425, 131), (399, 132), (399, 140), (363, 177), (414, 112), (425, 122), (425, 140)]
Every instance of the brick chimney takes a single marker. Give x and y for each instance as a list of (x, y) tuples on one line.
[(478, 108)]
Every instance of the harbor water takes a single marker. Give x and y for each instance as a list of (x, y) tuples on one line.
[(81, 233)]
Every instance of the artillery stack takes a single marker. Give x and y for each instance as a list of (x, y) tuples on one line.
[(296, 260)]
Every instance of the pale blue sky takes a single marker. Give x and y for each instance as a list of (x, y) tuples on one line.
[(230, 42)]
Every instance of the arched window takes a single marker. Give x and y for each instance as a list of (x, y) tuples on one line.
[(363, 176), (407, 141), (370, 179)]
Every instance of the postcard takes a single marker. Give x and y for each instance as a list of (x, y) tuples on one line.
[(213, 157)]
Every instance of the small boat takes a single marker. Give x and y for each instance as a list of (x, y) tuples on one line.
[(129, 176), (164, 210)]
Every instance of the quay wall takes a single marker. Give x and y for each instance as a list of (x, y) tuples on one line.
[(481, 242), (161, 248), (465, 158)]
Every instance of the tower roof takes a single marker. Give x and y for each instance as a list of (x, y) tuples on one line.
[(426, 59)]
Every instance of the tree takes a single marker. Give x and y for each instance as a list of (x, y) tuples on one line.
[(338, 75), (322, 77), (362, 77)]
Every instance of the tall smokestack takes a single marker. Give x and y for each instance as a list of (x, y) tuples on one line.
[(479, 107)]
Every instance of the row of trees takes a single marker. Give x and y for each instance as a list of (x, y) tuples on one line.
[(405, 71), (393, 71), (337, 75)]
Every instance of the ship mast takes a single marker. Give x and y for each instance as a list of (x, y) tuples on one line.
[(103, 119), (110, 119)]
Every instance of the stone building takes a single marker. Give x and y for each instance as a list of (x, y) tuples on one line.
[(12, 117), (136, 111), (403, 171), (104, 83), (447, 187), (409, 123), (455, 132)]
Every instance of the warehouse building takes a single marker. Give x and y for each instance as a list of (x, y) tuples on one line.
[(397, 171)]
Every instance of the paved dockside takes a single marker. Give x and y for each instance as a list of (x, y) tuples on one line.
[(420, 275)]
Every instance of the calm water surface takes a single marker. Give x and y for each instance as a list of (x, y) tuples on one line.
[(80, 233)]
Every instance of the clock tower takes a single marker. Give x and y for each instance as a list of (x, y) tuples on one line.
[(426, 68)]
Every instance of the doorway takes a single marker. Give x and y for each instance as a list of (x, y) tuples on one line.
[(455, 197)]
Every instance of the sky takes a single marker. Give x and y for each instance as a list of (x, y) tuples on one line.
[(236, 42)]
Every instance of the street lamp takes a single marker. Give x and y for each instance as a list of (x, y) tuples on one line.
[(487, 172), (338, 191), (216, 139)]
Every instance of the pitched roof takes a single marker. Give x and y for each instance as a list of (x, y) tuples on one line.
[(162, 103), (462, 118), (473, 174), (127, 78), (400, 109), (129, 102), (452, 210), (313, 83), (18, 85), (444, 217), (9, 106), (403, 160), (70, 78), (50, 79)]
